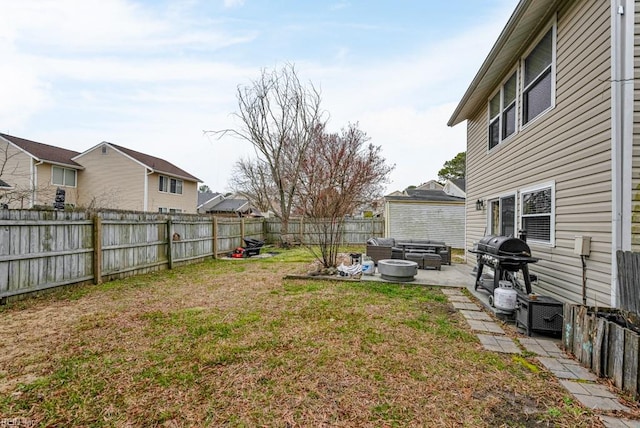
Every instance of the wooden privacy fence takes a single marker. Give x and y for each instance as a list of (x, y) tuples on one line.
[(607, 340), (45, 249), (354, 230), (629, 281)]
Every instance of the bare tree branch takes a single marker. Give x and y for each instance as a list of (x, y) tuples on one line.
[(278, 115)]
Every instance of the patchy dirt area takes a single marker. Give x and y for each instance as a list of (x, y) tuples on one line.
[(233, 344)]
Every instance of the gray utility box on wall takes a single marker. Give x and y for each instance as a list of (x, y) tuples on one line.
[(541, 314)]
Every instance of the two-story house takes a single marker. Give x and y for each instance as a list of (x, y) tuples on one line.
[(32, 172), (122, 178), (105, 176), (553, 144)]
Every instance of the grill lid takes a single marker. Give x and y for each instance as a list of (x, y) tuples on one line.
[(504, 246)]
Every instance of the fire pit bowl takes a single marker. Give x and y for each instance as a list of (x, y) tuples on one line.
[(397, 270)]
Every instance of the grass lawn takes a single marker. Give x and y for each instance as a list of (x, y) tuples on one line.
[(230, 343)]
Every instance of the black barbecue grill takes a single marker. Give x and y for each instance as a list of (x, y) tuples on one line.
[(506, 256)]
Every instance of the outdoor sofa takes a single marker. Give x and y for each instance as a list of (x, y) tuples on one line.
[(391, 248)]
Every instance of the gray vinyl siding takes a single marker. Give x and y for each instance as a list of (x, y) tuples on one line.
[(438, 222), (635, 174), (569, 146)]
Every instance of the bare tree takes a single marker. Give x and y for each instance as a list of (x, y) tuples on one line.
[(340, 173), (251, 178), (277, 116)]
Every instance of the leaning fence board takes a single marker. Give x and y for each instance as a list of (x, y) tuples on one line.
[(616, 345), (568, 330), (598, 342), (630, 362)]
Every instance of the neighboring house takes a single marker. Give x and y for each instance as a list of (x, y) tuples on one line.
[(426, 214), (233, 206), (33, 171), (4, 189), (455, 187), (207, 200), (553, 141), (430, 185), (121, 178)]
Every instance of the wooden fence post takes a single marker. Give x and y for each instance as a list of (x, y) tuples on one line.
[(97, 249), (241, 230), (302, 230), (170, 242), (215, 237)]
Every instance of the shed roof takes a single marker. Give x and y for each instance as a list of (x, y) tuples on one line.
[(45, 152), (528, 19), (425, 196)]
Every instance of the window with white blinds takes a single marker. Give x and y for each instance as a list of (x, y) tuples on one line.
[(537, 214)]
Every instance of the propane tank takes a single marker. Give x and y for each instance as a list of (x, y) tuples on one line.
[(505, 297)]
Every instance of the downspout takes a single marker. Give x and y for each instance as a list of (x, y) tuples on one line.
[(147, 173), (622, 65), (34, 180)]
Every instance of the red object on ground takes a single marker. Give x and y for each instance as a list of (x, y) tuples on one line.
[(238, 253)]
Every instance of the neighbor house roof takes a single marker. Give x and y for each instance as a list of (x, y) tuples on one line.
[(425, 196), (231, 205), (528, 19), (153, 163), (460, 183), (5, 185), (204, 197), (45, 152)]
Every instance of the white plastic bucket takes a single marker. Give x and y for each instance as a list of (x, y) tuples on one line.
[(368, 267)]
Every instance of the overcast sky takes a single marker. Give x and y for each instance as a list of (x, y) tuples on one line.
[(152, 75)]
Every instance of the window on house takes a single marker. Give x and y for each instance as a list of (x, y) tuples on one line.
[(502, 112), (170, 185), (537, 84), (162, 210), (175, 211), (63, 176), (502, 216), (538, 214)]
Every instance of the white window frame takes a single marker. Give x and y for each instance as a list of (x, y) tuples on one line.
[(64, 176), (519, 71), (552, 215), (164, 185), (163, 210), (500, 116), (499, 198), (553, 27)]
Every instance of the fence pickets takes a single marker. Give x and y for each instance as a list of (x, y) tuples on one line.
[(628, 277), (44, 249)]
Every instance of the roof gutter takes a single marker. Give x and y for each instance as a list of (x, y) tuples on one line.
[(516, 16)]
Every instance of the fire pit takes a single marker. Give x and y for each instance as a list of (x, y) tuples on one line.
[(397, 270)]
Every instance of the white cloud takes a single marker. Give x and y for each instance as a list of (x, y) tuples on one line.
[(233, 3), (100, 67)]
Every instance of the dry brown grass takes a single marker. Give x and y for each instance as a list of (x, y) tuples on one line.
[(230, 343)]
